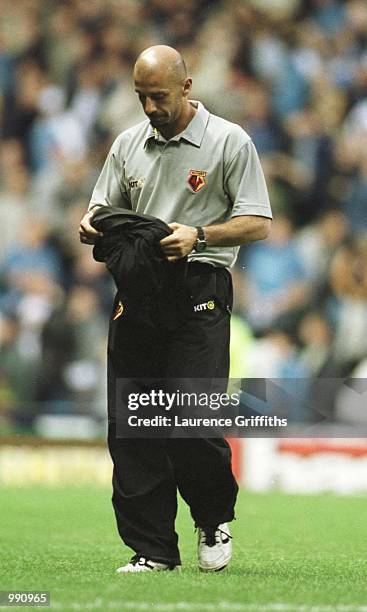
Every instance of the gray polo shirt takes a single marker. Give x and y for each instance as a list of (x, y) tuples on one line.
[(203, 176)]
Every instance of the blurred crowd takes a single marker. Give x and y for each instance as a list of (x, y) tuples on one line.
[(293, 73)]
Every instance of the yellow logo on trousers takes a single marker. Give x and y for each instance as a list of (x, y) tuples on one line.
[(210, 305), (118, 311)]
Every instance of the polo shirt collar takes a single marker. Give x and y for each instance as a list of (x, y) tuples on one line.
[(194, 132)]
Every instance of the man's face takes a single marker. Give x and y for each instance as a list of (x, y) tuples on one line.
[(161, 97)]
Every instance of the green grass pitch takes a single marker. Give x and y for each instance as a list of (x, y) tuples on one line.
[(290, 553)]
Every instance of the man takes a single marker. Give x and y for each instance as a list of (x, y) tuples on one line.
[(201, 175)]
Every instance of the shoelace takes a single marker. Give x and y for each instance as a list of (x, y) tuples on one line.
[(210, 536)]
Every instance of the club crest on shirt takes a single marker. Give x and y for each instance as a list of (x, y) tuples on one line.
[(197, 180), (118, 311)]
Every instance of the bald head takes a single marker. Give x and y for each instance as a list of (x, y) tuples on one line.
[(160, 59), (163, 87)]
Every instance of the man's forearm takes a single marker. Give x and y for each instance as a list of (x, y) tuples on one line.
[(237, 231)]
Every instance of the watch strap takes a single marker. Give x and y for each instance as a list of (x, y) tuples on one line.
[(200, 243), (201, 235)]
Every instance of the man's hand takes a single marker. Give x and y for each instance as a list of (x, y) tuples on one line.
[(87, 233), (180, 242)]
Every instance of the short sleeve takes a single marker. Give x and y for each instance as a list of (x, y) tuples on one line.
[(245, 185), (109, 189)]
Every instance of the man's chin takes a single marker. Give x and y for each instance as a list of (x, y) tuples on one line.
[(158, 121)]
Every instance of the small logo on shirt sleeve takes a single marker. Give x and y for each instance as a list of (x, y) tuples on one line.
[(136, 183), (197, 180)]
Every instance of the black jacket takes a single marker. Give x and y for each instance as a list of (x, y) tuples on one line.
[(131, 251)]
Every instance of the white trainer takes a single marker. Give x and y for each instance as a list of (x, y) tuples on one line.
[(214, 548), (141, 564)]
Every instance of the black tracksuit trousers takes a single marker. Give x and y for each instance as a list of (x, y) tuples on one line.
[(147, 472)]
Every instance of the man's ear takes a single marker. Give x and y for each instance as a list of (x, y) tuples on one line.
[(187, 86)]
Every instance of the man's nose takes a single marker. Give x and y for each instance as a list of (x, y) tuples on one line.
[(150, 106)]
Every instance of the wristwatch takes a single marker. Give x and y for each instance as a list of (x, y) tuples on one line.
[(200, 243)]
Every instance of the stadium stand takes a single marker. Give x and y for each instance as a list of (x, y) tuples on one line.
[(293, 74)]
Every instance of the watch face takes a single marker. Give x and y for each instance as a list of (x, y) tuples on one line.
[(201, 246)]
